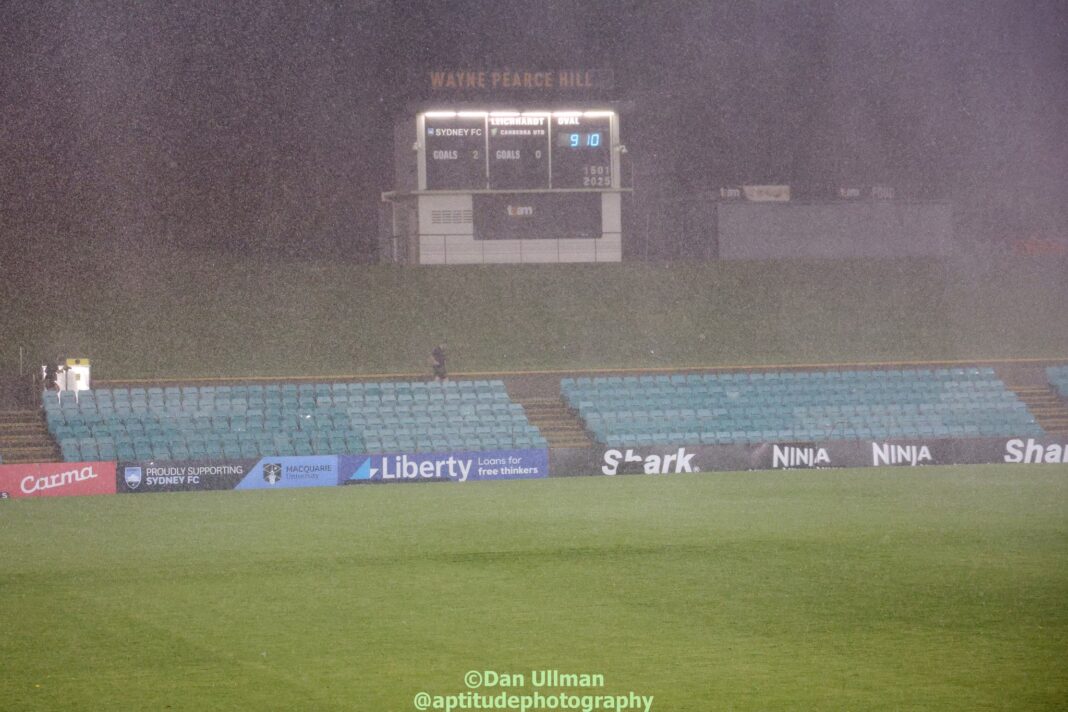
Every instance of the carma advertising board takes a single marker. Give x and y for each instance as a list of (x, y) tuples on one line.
[(57, 479)]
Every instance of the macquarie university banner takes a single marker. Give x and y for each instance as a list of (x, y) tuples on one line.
[(445, 467), (292, 472), (57, 479), (265, 473)]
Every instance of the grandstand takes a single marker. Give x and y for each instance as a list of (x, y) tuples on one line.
[(777, 406), (213, 422), (283, 419)]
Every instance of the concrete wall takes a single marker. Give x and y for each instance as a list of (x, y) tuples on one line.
[(463, 249), (755, 231)]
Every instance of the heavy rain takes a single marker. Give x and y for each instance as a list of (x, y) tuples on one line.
[(723, 343)]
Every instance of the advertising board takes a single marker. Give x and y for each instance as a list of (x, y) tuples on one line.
[(812, 455), (531, 216), (292, 472), (445, 467), (57, 479), (92, 478), (265, 473), (134, 477)]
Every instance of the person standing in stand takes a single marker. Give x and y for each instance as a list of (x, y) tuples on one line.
[(437, 362), (51, 375)]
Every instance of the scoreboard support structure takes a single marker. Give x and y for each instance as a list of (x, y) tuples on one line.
[(507, 186)]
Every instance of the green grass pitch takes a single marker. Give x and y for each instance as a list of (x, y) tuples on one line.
[(896, 589)]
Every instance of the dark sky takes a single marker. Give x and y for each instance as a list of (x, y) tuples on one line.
[(269, 125)]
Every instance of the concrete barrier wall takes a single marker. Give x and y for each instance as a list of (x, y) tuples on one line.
[(759, 231)]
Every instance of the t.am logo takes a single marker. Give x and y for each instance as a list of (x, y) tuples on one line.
[(680, 461)]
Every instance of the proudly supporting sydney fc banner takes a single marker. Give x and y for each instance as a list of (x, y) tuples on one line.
[(180, 476), (445, 467), (267, 473)]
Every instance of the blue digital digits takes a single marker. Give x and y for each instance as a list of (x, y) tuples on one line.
[(590, 140)]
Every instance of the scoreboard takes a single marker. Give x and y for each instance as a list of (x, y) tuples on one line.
[(456, 153), (531, 184), (582, 150), (517, 151)]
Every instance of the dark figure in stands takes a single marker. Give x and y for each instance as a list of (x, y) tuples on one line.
[(51, 375), (437, 362)]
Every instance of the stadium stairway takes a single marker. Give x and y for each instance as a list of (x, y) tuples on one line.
[(1045, 405), (540, 396), (24, 437), (558, 425)]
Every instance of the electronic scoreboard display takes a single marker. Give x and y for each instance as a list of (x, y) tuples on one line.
[(455, 152), (512, 151), (518, 151), (582, 152)]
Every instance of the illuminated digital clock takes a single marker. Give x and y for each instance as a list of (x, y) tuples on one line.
[(579, 140)]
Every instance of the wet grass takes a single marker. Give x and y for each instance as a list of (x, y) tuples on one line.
[(201, 314), (938, 589)]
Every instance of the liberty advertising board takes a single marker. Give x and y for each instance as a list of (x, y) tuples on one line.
[(445, 467)]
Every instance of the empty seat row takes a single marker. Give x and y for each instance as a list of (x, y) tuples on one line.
[(213, 403), (926, 375), (494, 410), (176, 451), (301, 389), (758, 389)]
